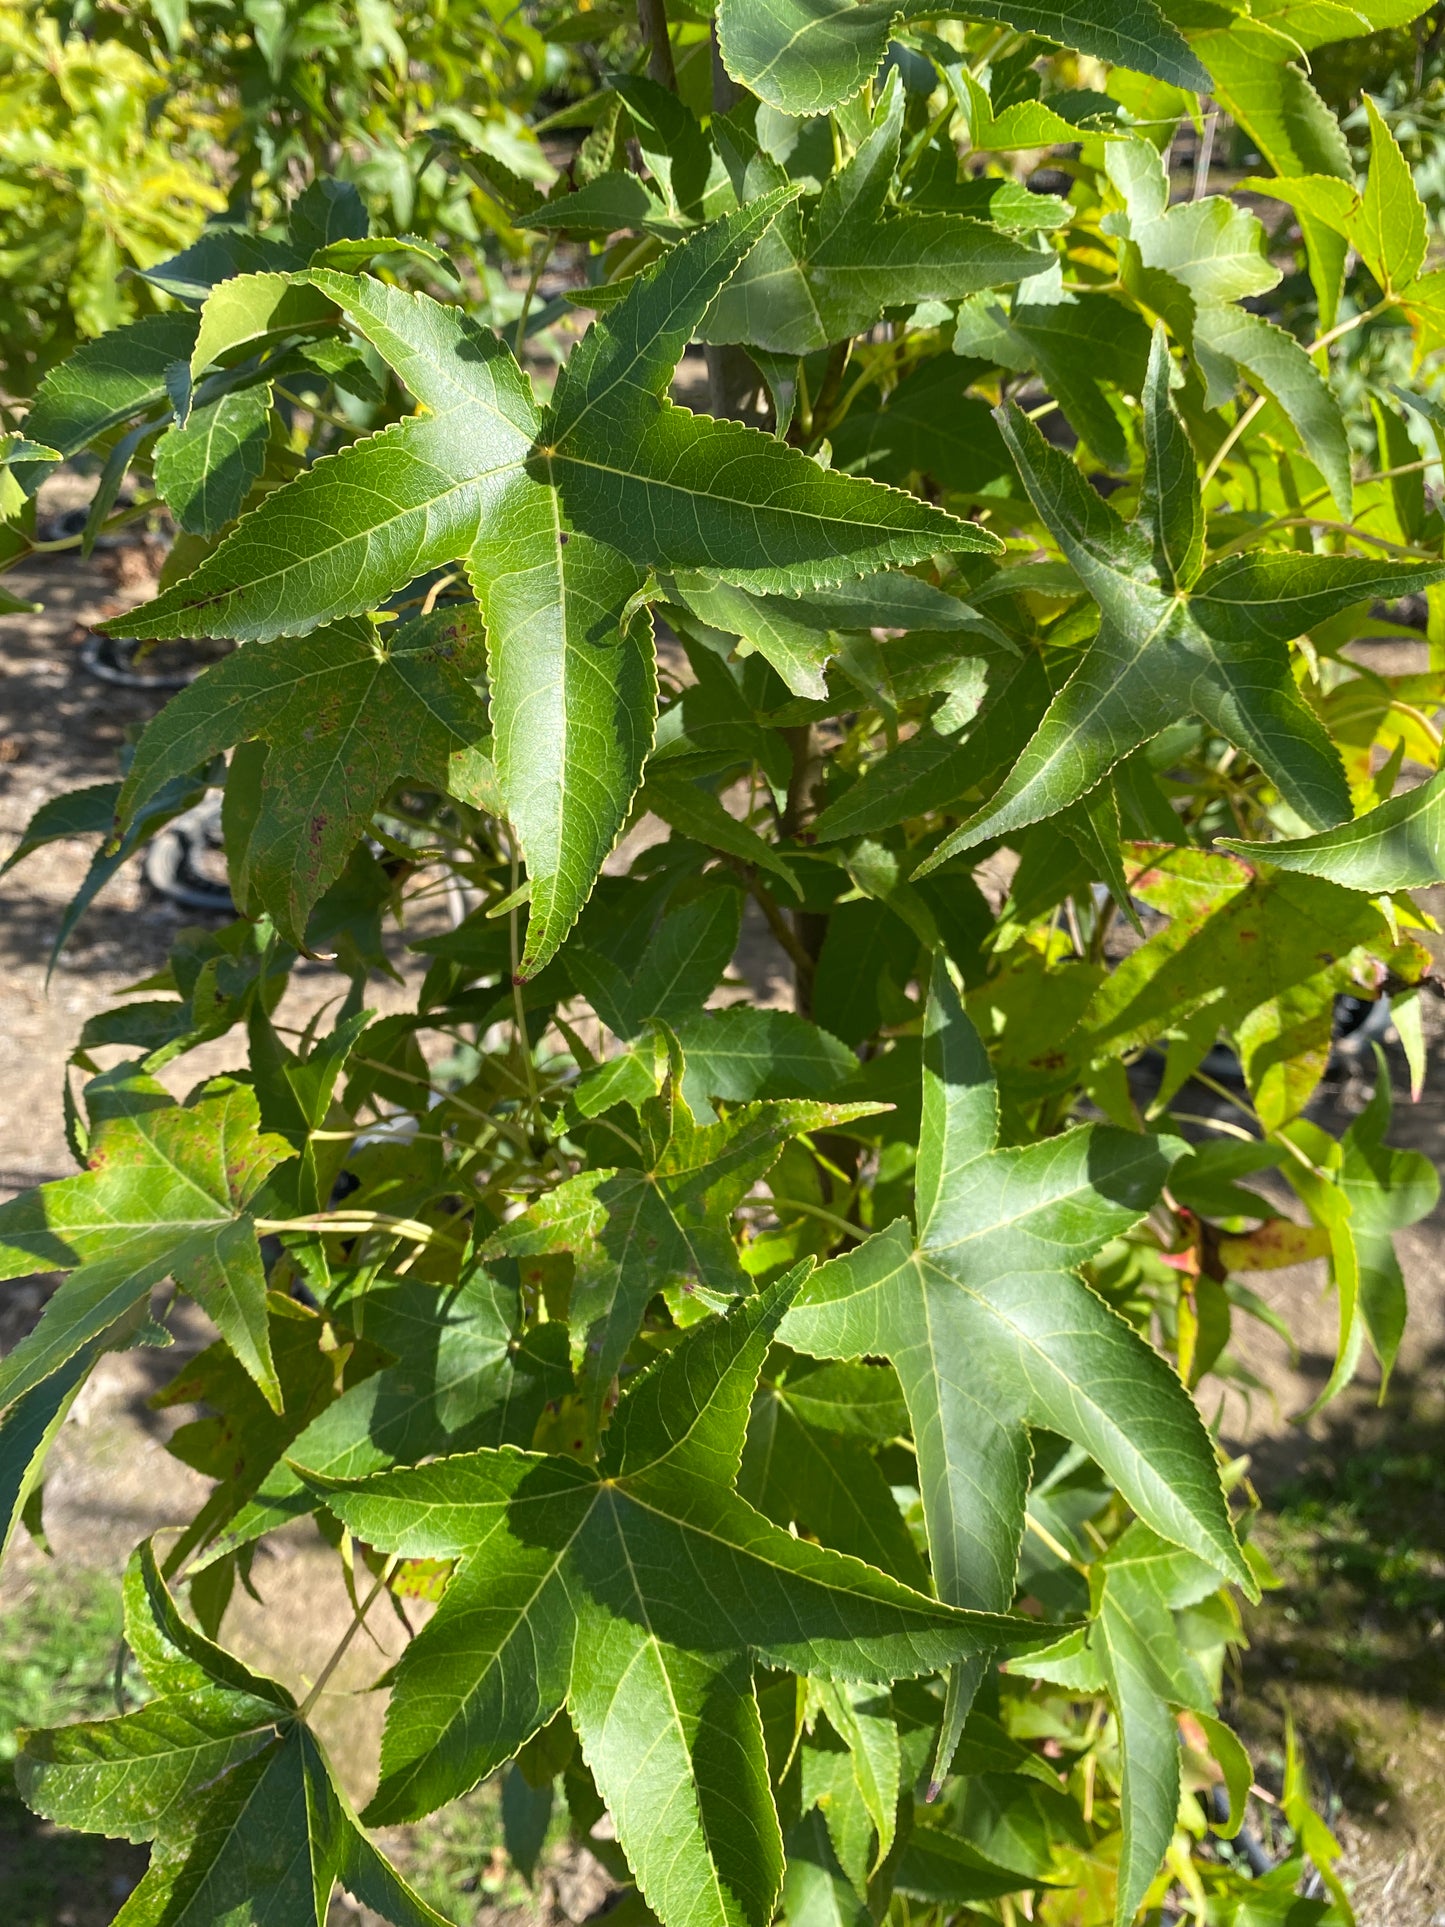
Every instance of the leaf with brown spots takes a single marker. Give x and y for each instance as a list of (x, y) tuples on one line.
[(1275, 1244), (1259, 954)]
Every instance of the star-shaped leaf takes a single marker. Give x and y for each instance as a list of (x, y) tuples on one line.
[(828, 273), (1173, 642), (345, 713), (665, 1220), (636, 1593), (168, 1194), (992, 1331), (221, 1772), (556, 513)]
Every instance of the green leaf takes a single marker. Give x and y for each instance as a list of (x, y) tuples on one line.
[(1078, 347), (1149, 1671), (1023, 123), (240, 1446), (1400, 845), (661, 1222), (526, 1817), (167, 1194), (1169, 506), (857, 1400), (1213, 247), (698, 814), (798, 634), (28, 1430), (822, 276), (345, 713), (1389, 230), (615, 200), (1259, 87), (83, 812), (804, 56), (829, 1782), (1280, 366), (204, 471), (713, 495), (325, 214), (862, 1718), (1216, 652), (1214, 250), (829, 1487), (572, 698), (933, 768), (253, 311), (744, 1053), (1263, 957), (221, 1772), (991, 1278), (635, 1593), (807, 56), (107, 382), (679, 156), (219, 254), (463, 1375), (1387, 1189), (16, 451), (937, 1867), (690, 949), (531, 502), (930, 426), (816, 1891)]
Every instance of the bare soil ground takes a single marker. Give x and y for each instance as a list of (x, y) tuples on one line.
[(1365, 1684)]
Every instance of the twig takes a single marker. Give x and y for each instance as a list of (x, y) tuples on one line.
[(652, 19)]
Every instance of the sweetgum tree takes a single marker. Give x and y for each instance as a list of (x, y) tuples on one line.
[(798, 1411)]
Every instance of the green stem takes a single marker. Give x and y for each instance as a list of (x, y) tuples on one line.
[(342, 1644), (543, 256), (816, 1211), (1225, 448), (519, 1004)]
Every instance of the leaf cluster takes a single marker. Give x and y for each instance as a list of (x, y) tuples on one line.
[(877, 868)]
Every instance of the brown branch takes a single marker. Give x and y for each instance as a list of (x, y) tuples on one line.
[(652, 19)]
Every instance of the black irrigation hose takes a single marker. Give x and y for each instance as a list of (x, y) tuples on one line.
[(113, 661), (171, 863), (1248, 1844)]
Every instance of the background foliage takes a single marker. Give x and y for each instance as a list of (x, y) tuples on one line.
[(795, 1417)]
